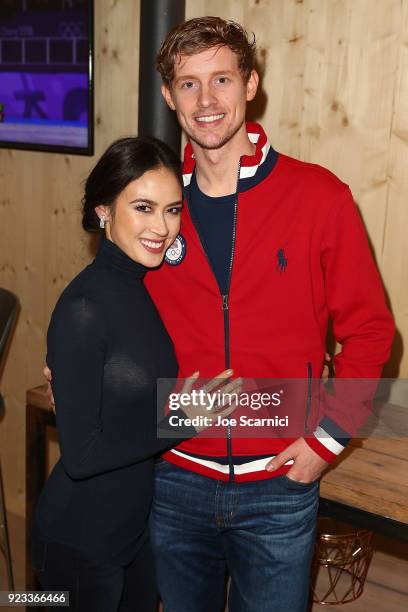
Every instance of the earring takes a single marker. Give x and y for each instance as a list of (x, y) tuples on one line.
[(102, 222)]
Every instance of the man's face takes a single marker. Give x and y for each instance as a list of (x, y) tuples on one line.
[(209, 96)]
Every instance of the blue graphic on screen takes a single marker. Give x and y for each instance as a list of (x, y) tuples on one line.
[(44, 72)]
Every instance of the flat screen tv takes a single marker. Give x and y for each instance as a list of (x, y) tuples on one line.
[(46, 75)]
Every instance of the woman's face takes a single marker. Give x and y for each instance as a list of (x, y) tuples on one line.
[(146, 216)]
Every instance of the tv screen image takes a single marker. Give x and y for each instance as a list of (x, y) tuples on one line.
[(46, 75)]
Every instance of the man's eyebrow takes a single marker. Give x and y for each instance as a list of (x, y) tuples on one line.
[(185, 78), (191, 77)]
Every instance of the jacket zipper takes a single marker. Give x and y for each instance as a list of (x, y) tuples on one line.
[(309, 396), (225, 307)]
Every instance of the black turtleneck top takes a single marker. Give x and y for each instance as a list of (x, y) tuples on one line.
[(106, 347)]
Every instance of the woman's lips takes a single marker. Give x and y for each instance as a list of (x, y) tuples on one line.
[(153, 246)]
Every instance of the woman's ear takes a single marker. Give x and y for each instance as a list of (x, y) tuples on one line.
[(103, 213)]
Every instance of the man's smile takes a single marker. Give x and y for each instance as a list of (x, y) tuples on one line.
[(213, 119)]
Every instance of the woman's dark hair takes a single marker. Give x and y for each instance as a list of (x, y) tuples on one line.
[(124, 161)]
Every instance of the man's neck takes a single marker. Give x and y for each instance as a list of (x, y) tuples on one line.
[(216, 169)]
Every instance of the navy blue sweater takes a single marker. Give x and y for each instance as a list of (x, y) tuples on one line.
[(106, 347)]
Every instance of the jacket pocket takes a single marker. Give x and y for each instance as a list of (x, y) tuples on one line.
[(308, 396)]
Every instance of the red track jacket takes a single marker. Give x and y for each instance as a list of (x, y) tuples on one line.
[(300, 256)]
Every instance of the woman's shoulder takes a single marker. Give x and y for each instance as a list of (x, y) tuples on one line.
[(82, 297), (78, 320)]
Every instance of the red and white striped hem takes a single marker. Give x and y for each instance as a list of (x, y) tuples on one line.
[(244, 472)]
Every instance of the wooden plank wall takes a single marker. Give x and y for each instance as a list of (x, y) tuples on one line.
[(334, 91), (42, 245)]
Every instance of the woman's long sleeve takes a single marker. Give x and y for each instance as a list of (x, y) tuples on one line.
[(96, 433)]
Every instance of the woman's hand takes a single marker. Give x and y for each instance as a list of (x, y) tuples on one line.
[(207, 406), (48, 376)]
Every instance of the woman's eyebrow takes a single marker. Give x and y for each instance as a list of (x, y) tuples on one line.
[(142, 199), (153, 203)]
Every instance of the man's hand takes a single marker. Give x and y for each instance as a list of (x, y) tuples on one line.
[(307, 466), (48, 375), (326, 369)]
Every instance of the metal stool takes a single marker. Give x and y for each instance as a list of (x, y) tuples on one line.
[(342, 558), (8, 314)]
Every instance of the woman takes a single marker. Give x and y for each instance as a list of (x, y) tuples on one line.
[(106, 348)]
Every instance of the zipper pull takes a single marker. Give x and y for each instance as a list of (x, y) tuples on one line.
[(225, 302)]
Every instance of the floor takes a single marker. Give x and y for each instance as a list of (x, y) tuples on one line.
[(386, 588)]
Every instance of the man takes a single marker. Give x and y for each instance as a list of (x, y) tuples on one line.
[(269, 249)]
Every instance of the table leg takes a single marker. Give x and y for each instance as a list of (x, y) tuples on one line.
[(36, 422)]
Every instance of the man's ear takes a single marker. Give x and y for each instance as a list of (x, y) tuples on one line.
[(167, 96), (252, 85)]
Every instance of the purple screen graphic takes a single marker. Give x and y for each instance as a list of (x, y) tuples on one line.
[(44, 73), (36, 105)]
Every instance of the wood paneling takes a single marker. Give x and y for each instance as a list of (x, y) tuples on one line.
[(42, 245)]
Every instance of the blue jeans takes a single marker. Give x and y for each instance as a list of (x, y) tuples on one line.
[(262, 533)]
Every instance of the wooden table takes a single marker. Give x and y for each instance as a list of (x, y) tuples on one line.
[(368, 487)]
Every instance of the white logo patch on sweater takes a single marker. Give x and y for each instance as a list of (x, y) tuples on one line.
[(176, 252)]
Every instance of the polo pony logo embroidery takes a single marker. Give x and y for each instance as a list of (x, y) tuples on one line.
[(282, 261)]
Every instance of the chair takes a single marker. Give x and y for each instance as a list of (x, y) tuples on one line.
[(8, 314)]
